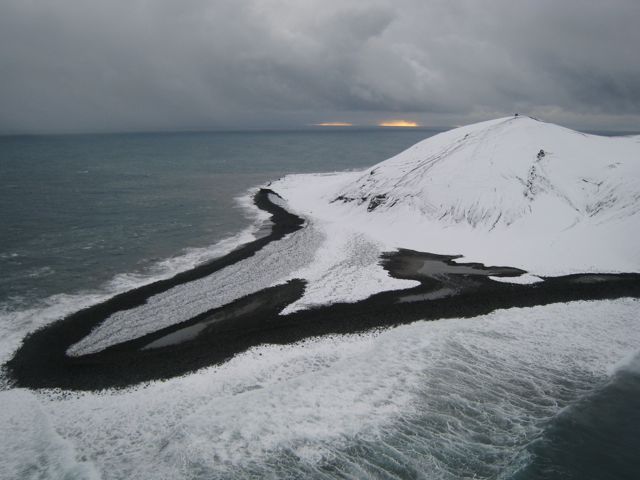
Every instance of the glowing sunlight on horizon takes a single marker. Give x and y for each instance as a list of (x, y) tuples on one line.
[(333, 124), (398, 123)]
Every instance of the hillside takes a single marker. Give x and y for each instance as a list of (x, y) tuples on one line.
[(505, 171), (513, 191)]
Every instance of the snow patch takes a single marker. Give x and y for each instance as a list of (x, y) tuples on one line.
[(270, 266), (524, 279)]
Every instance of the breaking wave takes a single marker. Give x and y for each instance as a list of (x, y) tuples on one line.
[(448, 399)]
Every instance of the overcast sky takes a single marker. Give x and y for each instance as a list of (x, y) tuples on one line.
[(132, 65)]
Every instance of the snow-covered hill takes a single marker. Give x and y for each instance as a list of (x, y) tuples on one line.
[(514, 191), (505, 171)]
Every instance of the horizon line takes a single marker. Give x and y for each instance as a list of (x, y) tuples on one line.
[(306, 127)]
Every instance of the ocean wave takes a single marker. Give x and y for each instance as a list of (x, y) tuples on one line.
[(34, 449), (444, 399)]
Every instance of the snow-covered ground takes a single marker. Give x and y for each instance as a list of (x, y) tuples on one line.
[(514, 191)]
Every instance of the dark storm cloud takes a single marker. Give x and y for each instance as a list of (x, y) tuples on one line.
[(73, 65)]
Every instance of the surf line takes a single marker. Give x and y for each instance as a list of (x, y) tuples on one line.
[(43, 352), (447, 289)]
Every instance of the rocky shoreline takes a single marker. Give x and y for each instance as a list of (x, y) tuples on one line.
[(447, 290)]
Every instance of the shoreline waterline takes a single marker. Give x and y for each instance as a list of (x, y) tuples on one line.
[(215, 336)]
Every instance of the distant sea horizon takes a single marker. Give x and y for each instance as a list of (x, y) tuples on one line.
[(602, 130), (81, 209)]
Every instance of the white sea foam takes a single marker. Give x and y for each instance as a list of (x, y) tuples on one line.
[(444, 399), (31, 448)]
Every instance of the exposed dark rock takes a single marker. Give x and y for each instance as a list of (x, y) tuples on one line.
[(375, 202), (343, 199)]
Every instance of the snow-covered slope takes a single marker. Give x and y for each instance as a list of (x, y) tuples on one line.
[(508, 170), (514, 191)]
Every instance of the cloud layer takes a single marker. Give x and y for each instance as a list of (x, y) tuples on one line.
[(84, 65)]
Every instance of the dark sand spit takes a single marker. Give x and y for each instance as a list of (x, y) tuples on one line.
[(447, 290)]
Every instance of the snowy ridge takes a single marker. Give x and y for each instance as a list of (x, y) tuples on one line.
[(513, 191), (497, 172)]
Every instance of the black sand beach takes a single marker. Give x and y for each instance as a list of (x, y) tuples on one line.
[(447, 290)]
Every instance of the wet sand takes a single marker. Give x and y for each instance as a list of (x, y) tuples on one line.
[(447, 290)]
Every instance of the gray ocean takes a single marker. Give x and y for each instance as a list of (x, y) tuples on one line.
[(77, 211), (86, 216)]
